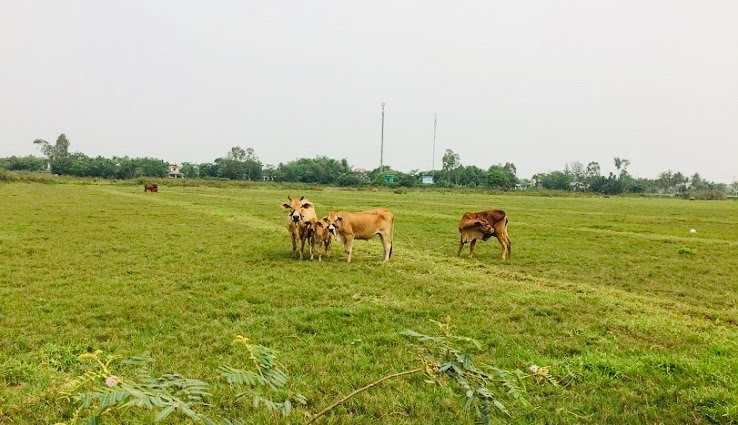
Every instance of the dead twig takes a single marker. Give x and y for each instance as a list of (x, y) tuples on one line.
[(357, 391)]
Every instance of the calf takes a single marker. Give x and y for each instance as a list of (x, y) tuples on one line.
[(321, 236), (364, 225), (483, 225), (301, 212), (151, 187)]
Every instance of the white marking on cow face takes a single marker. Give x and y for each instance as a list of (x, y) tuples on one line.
[(332, 229), (296, 216)]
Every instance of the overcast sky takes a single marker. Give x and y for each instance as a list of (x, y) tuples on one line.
[(537, 83)]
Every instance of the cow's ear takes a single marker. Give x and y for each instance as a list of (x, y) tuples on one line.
[(286, 206), (307, 205), (325, 219), (319, 224), (477, 223), (339, 218)]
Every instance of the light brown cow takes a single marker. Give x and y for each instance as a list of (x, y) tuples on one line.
[(483, 225), (301, 212), (151, 187), (364, 225), (320, 237)]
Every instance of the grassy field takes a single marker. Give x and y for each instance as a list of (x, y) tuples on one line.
[(596, 289)]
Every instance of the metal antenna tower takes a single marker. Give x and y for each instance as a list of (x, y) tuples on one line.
[(381, 146)]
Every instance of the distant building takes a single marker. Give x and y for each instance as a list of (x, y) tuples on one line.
[(175, 171), (426, 179), (389, 178)]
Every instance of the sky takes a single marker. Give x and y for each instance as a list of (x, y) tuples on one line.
[(536, 83)]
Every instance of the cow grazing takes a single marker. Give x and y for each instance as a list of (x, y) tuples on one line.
[(151, 187), (320, 237), (483, 225), (301, 212), (364, 225)]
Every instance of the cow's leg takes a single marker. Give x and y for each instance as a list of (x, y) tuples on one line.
[(328, 248), (503, 244), (302, 248), (348, 245), (385, 248), (471, 248), (461, 246), (501, 235), (294, 243)]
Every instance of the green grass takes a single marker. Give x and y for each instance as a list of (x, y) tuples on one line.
[(596, 289)]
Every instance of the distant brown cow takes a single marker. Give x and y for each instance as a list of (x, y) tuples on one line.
[(364, 225), (301, 213), (151, 187), (483, 225)]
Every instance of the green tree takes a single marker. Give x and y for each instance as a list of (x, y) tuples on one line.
[(190, 170), (450, 160), (502, 176), (58, 154), (236, 154), (622, 164), (593, 170), (473, 176), (23, 163), (56, 151), (578, 173), (252, 166), (451, 163), (556, 180), (610, 185)]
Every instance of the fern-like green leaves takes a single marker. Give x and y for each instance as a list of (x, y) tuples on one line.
[(485, 387)]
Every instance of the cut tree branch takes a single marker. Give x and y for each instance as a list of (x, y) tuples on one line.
[(353, 393)]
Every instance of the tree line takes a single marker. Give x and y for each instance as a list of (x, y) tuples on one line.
[(243, 164)]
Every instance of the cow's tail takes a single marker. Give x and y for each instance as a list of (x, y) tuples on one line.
[(392, 236), (507, 239)]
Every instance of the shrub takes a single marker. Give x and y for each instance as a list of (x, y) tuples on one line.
[(686, 251)]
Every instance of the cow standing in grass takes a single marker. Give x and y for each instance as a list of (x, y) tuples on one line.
[(364, 225), (151, 187), (483, 225), (321, 235), (301, 213)]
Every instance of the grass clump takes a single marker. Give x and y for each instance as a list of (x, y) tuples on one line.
[(684, 250)]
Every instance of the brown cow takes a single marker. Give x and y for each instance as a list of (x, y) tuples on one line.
[(321, 235), (301, 213), (483, 225), (151, 187), (364, 225)]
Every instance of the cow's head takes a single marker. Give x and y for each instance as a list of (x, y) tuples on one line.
[(486, 228), (327, 224), (296, 207), (334, 221)]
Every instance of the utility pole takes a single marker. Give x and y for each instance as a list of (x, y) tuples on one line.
[(433, 166), (381, 146)]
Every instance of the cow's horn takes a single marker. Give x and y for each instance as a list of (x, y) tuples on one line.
[(302, 197), (288, 197)]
